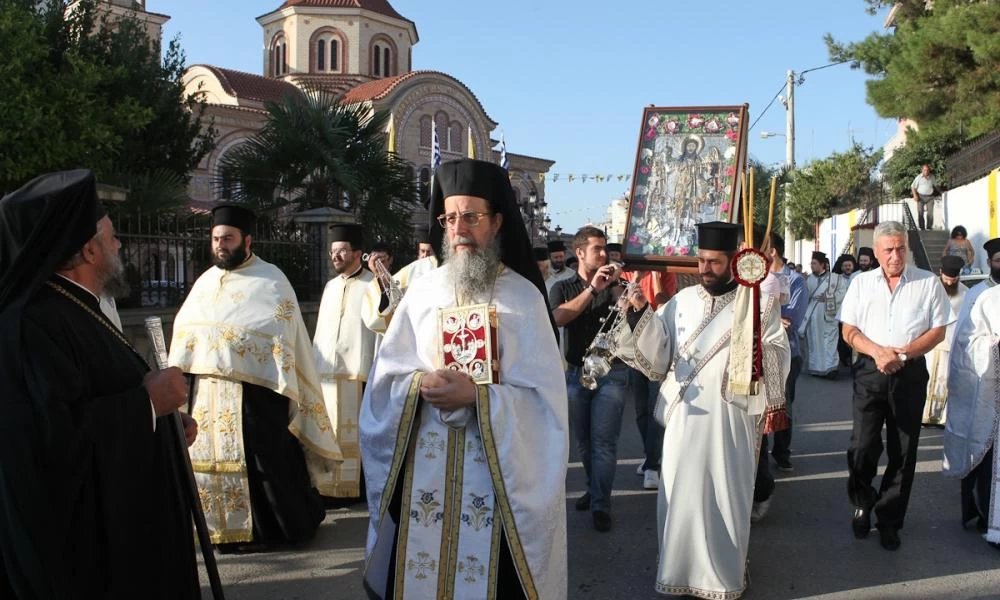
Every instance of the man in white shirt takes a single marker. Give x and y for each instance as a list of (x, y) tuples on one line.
[(892, 317), (924, 189)]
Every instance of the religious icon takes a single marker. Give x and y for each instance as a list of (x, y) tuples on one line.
[(467, 344), (686, 172)]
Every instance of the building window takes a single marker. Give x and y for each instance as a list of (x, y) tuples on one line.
[(441, 124), (455, 136), (334, 55), (325, 47), (383, 52), (385, 62), (425, 131), (279, 56), (377, 55), (424, 185), (321, 55)]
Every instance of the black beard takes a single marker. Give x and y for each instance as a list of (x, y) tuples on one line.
[(995, 275), (720, 286), (951, 290), (557, 266), (236, 258)]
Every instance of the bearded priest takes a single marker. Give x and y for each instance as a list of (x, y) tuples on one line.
[(713, 427), (266, 440), (464, 427)]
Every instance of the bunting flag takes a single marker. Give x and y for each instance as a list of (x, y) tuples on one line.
[(471, 145), (391, 131), (436, 148), (503, 153)]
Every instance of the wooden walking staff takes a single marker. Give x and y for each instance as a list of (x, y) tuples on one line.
[(154, 329)]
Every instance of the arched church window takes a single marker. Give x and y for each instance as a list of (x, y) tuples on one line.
[(424, 186), (321, 55), (376, 64), (455, 136), (425, 131), (325, 47), (386, 62), (441, 123), (279, 55)]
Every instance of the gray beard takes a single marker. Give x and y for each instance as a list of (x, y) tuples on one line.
[(115, 285), (473, 271)]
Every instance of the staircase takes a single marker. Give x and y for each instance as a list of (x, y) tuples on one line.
[(934, 242)]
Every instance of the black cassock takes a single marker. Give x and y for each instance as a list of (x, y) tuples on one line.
[(95, 507)]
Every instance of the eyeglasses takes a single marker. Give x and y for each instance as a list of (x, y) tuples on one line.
[(340, 252), (470, 218)]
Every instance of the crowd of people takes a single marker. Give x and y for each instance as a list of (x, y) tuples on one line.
[(428, 391)]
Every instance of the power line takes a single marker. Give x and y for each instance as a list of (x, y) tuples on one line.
[(769, 104)]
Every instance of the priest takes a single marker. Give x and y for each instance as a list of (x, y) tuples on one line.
[(713, 428), (542, 260), (558, 269), (973, 410), (344, 351), (267, 444), (935, 409), (92, 496), (820, 328), (379, 303), (464, 427)]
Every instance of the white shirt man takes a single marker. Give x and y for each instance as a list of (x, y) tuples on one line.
[(892, 317)]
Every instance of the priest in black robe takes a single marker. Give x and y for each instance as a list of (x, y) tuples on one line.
[(91, 496)]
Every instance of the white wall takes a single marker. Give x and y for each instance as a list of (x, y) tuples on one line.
[(969, 206)]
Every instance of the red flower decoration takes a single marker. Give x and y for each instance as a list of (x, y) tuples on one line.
[(695, 121), (683, 250), (731, 134), (725, 207), (730, 171), (732, 120), (713, 126), (644, 170), (650, 134), (672, 126), (634, 239), (639, 205), (669, 250)]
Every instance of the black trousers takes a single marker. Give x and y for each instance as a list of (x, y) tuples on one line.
[(896, 401), (783, 438), (977, 488)]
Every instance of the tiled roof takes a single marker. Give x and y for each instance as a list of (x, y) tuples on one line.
[(381, 7), (253, 87), (380, 88)]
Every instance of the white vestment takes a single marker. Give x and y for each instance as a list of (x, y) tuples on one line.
[(972, 413), (984, 354), (822, 330), (344, 352), (711, 437), (245, 326), (555, 277), (468, 475), (936, 407)]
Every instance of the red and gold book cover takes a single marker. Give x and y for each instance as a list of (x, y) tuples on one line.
[(468, 341)]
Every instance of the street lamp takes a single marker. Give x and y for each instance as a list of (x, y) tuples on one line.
[(534, 210), (769, 134)]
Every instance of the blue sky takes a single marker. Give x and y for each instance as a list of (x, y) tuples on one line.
[(567, 80)]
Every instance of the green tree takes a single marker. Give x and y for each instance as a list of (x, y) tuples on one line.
[(940, 68), (762, 193), (85, 90), (315, 152), (840, 182)]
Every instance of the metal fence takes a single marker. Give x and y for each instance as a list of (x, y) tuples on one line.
[(164, 254), (975, 160)]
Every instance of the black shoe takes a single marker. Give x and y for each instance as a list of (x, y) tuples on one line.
[(784, 465), (583, 502), (889, 538), (861, 522), (602, 521)]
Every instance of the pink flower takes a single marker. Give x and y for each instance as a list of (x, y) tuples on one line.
[(732, 120), (683, 250), (650, 134), (644, 170), (713, 126), (672, 126), (639, 205), (695, 121), (725, 207), (731, 134), (730, 171), (634, 239), (669, 250)]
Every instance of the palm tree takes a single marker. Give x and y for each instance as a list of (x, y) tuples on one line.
[(316, 152)]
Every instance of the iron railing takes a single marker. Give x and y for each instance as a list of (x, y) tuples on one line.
[(892, 211), (975, 160), (164, 254)]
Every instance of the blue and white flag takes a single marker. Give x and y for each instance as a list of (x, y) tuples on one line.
[(436, 149), (503, 153)]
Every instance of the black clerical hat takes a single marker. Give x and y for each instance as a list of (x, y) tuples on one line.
[(423, 237), (952, 265), (347, 232), (613, 247), (556, 246), (866, 251), (991, 247), (718, 235), (820, 256), (541, 254), (234, 216)]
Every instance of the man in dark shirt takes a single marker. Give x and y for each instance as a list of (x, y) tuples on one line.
[(595, 414)]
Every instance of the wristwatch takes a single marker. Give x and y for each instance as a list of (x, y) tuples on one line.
[(902, 357)]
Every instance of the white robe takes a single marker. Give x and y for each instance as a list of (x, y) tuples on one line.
[(972, 414), (344, 352), (555, 278), (984, 354), (711, 437), (378, 320), (936, 407), (508, 453), (822, 330)]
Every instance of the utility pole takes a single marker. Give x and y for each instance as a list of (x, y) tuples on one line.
[(789, 152)]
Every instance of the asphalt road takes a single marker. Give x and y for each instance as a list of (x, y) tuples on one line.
[(804, 548)]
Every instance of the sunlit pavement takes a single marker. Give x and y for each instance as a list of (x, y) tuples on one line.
[(804, 547)]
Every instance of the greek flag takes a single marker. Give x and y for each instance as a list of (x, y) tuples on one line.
[(503, 153), (436, 152)]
